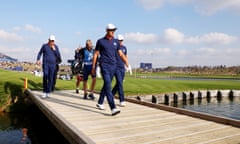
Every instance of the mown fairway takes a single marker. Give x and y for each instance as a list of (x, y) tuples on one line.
[(132, 85), (12, 84), (156, 86)]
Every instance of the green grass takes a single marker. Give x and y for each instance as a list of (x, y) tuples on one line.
[(195, 75), (135, 86), (12, 84)]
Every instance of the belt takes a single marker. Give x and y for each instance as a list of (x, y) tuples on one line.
[(87, 63)]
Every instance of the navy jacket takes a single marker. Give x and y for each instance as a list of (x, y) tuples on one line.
[(49, 56)]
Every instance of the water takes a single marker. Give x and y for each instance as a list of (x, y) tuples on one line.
[(39, 128), (224, 107)]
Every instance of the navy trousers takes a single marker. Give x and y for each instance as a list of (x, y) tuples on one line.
[(108, 72), (119, 75), (48, 77)]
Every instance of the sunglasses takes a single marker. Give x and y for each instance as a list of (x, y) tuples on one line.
[(111, 30)]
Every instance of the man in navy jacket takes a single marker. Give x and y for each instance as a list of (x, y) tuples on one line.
[(51, 57)]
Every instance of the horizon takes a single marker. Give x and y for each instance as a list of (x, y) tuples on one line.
[(64, 64)]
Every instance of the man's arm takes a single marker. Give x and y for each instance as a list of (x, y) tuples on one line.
[(39, 55), (94, 61), (123, 57)]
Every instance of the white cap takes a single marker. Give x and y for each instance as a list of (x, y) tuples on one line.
[(52, 37), (120, 37), (111, 27)]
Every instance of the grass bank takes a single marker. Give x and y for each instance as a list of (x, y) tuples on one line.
[(12, 85), (156, 86)]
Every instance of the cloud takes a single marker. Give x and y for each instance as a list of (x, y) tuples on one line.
[(32, 28), (180, 1), (206, 7), (16, 28), (9, 36), (182, 52), (153, 51), (209, 7), (212, 38), (206, 50), (183, 57), (141, 37), (18, 52), (151, 4), (232, 52), (173, 36), (212, 48)]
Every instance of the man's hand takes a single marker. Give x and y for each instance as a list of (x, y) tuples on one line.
[(53, 47), (129, 69), (93, 72), (38, 62)]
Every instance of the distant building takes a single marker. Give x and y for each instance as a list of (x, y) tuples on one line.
[(18, 68), (5, 58), (146, 66)]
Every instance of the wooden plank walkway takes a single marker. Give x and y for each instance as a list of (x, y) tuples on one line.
[(81, 122)]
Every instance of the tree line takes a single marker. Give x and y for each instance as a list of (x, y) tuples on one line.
[(221, 69)]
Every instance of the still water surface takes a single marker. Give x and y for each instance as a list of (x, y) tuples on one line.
[(224, 107), (39, 128)]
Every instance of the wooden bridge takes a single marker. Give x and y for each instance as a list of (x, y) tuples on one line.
[(138, 123)]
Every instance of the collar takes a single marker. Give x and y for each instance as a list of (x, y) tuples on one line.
[(108, 37)]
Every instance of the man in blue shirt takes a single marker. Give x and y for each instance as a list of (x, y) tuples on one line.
[(108, 49), (120, 73), (87, 55), (77, 68), (51, 57)]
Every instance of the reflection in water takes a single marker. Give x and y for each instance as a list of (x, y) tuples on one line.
[(221, 106), (12, 127), (28, 128), (10, 136), (199, 101), (14, 136), (191, 101), (25, 139), (208, 99)]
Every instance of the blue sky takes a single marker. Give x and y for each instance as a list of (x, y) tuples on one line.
[(161, 32)]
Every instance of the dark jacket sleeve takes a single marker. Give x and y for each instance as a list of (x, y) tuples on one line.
[(58, 55), (40, 53)]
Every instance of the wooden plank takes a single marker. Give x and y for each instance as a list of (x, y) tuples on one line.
[(81, 122), (155, 135), (71, 133)]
